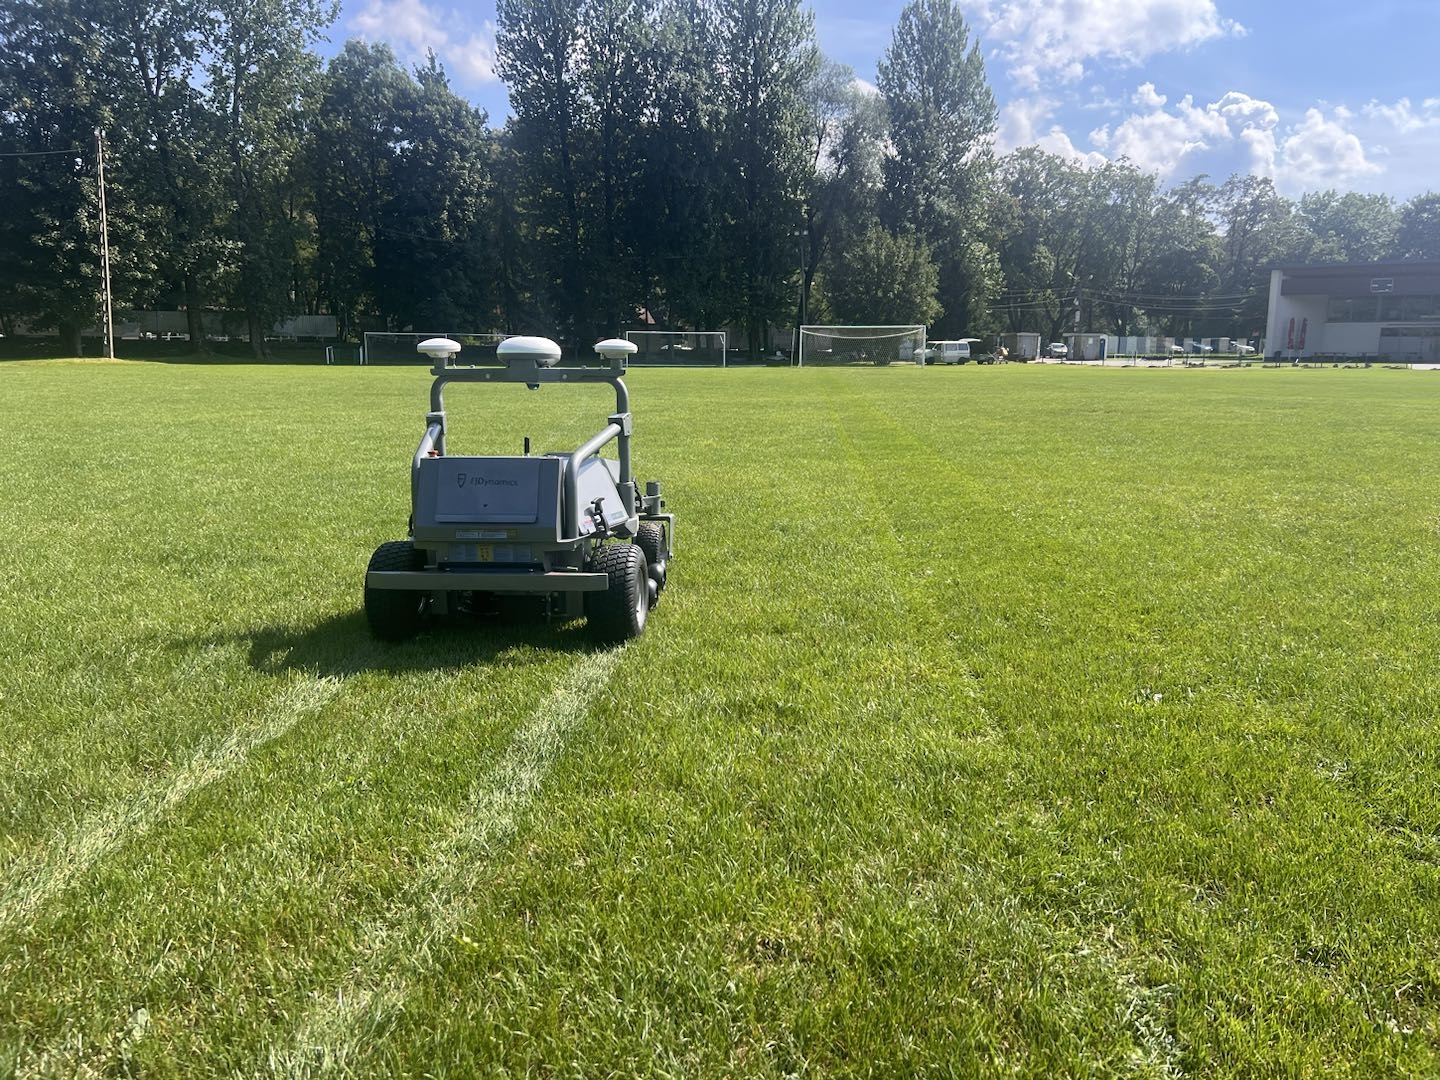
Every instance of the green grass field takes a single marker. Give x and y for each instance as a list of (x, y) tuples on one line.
[(1019, 720)]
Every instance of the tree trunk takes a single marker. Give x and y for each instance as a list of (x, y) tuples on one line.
[(257, 337), (70, 337), (194, 317)]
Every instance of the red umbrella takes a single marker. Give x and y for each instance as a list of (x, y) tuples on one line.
[(1290, 337), (1304, 325)]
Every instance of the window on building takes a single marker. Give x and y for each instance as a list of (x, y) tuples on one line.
[(1352, 309), (1419, 307)]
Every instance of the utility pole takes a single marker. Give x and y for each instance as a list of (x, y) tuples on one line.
[(803, 235), (104, 245)]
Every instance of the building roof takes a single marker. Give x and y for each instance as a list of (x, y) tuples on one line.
[(1391, 266)]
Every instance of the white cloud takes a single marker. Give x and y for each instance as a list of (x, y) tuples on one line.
[(1404, 117), (1028, 122), (1146, 97), (1159, 140), (1044, 41), (412, 27), (1320, 153), (1378, 146), (1019, 120), (1057, 142)]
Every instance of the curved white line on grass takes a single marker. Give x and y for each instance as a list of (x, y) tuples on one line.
[(37, 878), (436, 902)]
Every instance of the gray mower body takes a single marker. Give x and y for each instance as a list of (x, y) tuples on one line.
[(548, 525)]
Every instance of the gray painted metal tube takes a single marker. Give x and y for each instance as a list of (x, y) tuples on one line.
[(572, 473), (433, 434)]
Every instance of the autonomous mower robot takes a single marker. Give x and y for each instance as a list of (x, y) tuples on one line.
[(571, 529)]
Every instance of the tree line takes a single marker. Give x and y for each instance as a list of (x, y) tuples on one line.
[(697, 163)]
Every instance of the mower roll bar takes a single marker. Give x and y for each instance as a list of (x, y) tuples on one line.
[(619, 428)]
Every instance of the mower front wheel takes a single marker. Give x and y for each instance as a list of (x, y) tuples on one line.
[(619, 613), (395, 614)]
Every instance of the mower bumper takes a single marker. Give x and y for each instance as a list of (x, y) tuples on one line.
[(495, 581)]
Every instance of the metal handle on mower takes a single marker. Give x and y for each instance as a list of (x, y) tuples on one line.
[(572, 479), (434, 438)]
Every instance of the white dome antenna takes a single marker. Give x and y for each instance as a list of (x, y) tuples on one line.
[(439, 348), (523, 351), (614, 349)]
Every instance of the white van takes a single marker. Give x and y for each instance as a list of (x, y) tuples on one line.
[(954, 352)]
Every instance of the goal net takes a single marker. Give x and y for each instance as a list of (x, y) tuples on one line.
[(381, 348), (345, 353), (861, 345), (702, 348)]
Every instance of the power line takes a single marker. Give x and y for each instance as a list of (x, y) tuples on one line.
[(39, 153)]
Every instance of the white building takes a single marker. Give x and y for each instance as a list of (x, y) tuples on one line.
[(1390, 311)]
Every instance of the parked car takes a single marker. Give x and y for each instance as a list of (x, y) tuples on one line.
[(1200, 347), (1177, 349), (1245, 350), (1058, 350)]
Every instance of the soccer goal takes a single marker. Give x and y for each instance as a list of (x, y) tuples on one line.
[(861, 345), (345, 353), (701, 348), (380, 348)]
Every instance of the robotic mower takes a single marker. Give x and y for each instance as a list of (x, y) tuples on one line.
[(571, 529)]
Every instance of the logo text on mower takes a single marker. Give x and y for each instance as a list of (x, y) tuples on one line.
[(467, 479)]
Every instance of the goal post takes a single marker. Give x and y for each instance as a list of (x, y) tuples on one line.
[(386, 348), (698, 348), (880, 345)]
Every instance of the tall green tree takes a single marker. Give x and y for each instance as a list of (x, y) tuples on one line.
[(942, 117), (432, 263), (1122, 221), (846, 146), (1181, 262), (678, 242), (259, 76), (1258, 228), (165, 146), (1418, 232), (881, 278), (1039, 208), (51, 102), (767, 56), (355, 144), (538, 42), (1348, 226)]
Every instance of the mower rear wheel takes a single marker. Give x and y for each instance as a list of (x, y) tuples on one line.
[(618, 614), (395, 614), (651, 540)]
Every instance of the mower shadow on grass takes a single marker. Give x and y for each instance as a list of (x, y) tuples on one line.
[(342, 645)]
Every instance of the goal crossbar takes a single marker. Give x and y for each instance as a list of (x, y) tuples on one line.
[(399, 346), (863, 344)]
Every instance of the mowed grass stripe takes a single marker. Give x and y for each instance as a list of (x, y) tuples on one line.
[(446, 886), (36, 878)]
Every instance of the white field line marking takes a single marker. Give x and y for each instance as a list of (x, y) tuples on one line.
[(435, 903), (37, 878)]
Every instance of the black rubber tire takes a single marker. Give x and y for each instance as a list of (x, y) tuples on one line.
[(651, 540), (395, 615), (619, 613)]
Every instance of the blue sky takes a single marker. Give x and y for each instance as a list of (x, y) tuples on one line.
[(1314, 93)]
